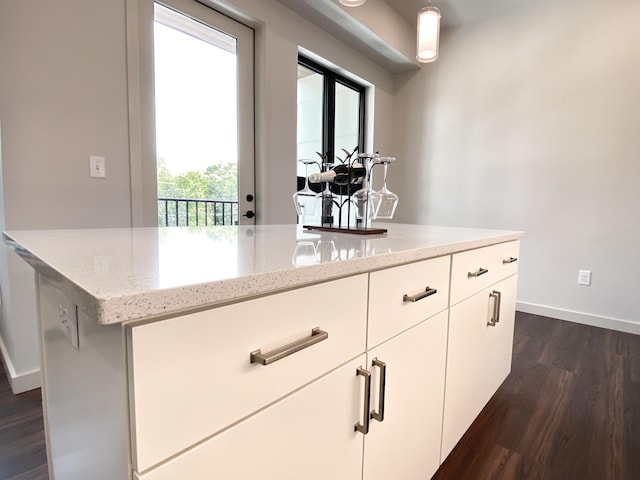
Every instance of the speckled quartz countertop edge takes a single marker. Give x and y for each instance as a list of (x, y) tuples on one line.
[(182, 299), (78, 295)]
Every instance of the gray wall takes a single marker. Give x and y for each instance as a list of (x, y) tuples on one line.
[(63, 96), (531, 121)]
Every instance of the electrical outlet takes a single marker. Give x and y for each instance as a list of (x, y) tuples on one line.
[(68, 321), (584, 277)]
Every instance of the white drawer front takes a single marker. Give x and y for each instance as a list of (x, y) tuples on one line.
[(390, 313), (191, 376), (468, 274)]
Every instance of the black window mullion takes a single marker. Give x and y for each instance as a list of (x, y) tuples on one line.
[(329, 118), (361, 122)]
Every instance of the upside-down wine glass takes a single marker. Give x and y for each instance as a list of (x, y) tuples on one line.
[(388, 199), (366, 201), (305, 200)]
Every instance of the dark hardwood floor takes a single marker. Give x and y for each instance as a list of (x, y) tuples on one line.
[(22, 448), (570, 410)]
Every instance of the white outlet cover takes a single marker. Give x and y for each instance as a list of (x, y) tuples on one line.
[(68, 319)]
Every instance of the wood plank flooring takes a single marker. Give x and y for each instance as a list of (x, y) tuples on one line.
[(22, 448), (570, 410)]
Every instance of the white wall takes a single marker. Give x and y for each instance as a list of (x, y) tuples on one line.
[(63, 97), (531, 121), (64, 67)]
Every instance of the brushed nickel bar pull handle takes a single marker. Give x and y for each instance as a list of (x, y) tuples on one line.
[(414, 298), (481, 271), (267, 358), (379, 415), (510, 260), (495, 317), (364, 426)]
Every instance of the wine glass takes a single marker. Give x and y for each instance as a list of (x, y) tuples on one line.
[(388, 199), (305, 200), (366, 201), (326, 199)]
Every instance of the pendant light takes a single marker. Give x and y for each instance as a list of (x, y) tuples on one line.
[(352, 3), (428, 34)]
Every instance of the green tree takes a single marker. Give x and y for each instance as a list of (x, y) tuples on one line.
[(222, 181), (216, 182)]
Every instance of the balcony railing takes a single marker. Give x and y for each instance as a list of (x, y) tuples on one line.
[(174, 212)]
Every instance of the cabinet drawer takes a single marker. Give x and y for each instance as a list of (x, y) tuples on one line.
[(474, 270), (191, 376), (390, 312)]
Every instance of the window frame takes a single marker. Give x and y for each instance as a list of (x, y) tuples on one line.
[(330, 79)]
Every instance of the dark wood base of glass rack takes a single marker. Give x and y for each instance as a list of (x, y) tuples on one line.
[(352, 230)]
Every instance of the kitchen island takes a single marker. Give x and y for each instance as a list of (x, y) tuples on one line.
[(237, 352)]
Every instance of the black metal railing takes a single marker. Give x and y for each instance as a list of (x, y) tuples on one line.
[(174, 212)]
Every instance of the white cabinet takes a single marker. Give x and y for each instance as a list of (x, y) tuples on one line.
[(280, 385), (307, 435), (478, 356), (406, 444), (199, 408)]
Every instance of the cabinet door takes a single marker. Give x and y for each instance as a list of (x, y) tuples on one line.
[(309, 434), (406, 444), (478, 357)]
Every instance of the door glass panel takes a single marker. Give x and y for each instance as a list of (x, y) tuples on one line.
[(196, 101)]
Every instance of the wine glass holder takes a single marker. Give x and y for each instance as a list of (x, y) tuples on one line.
[(341, 197)]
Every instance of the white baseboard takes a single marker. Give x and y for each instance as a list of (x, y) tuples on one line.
[(19, 382), (579, 317)]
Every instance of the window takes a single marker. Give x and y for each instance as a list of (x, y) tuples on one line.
[(331, 113)]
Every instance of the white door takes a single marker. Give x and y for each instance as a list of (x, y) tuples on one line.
[(204, 104)]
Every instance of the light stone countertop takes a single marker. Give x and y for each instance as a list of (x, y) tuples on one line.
[(122, 274)]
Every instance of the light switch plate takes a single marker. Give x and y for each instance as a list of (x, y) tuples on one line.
[(97, 167)]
